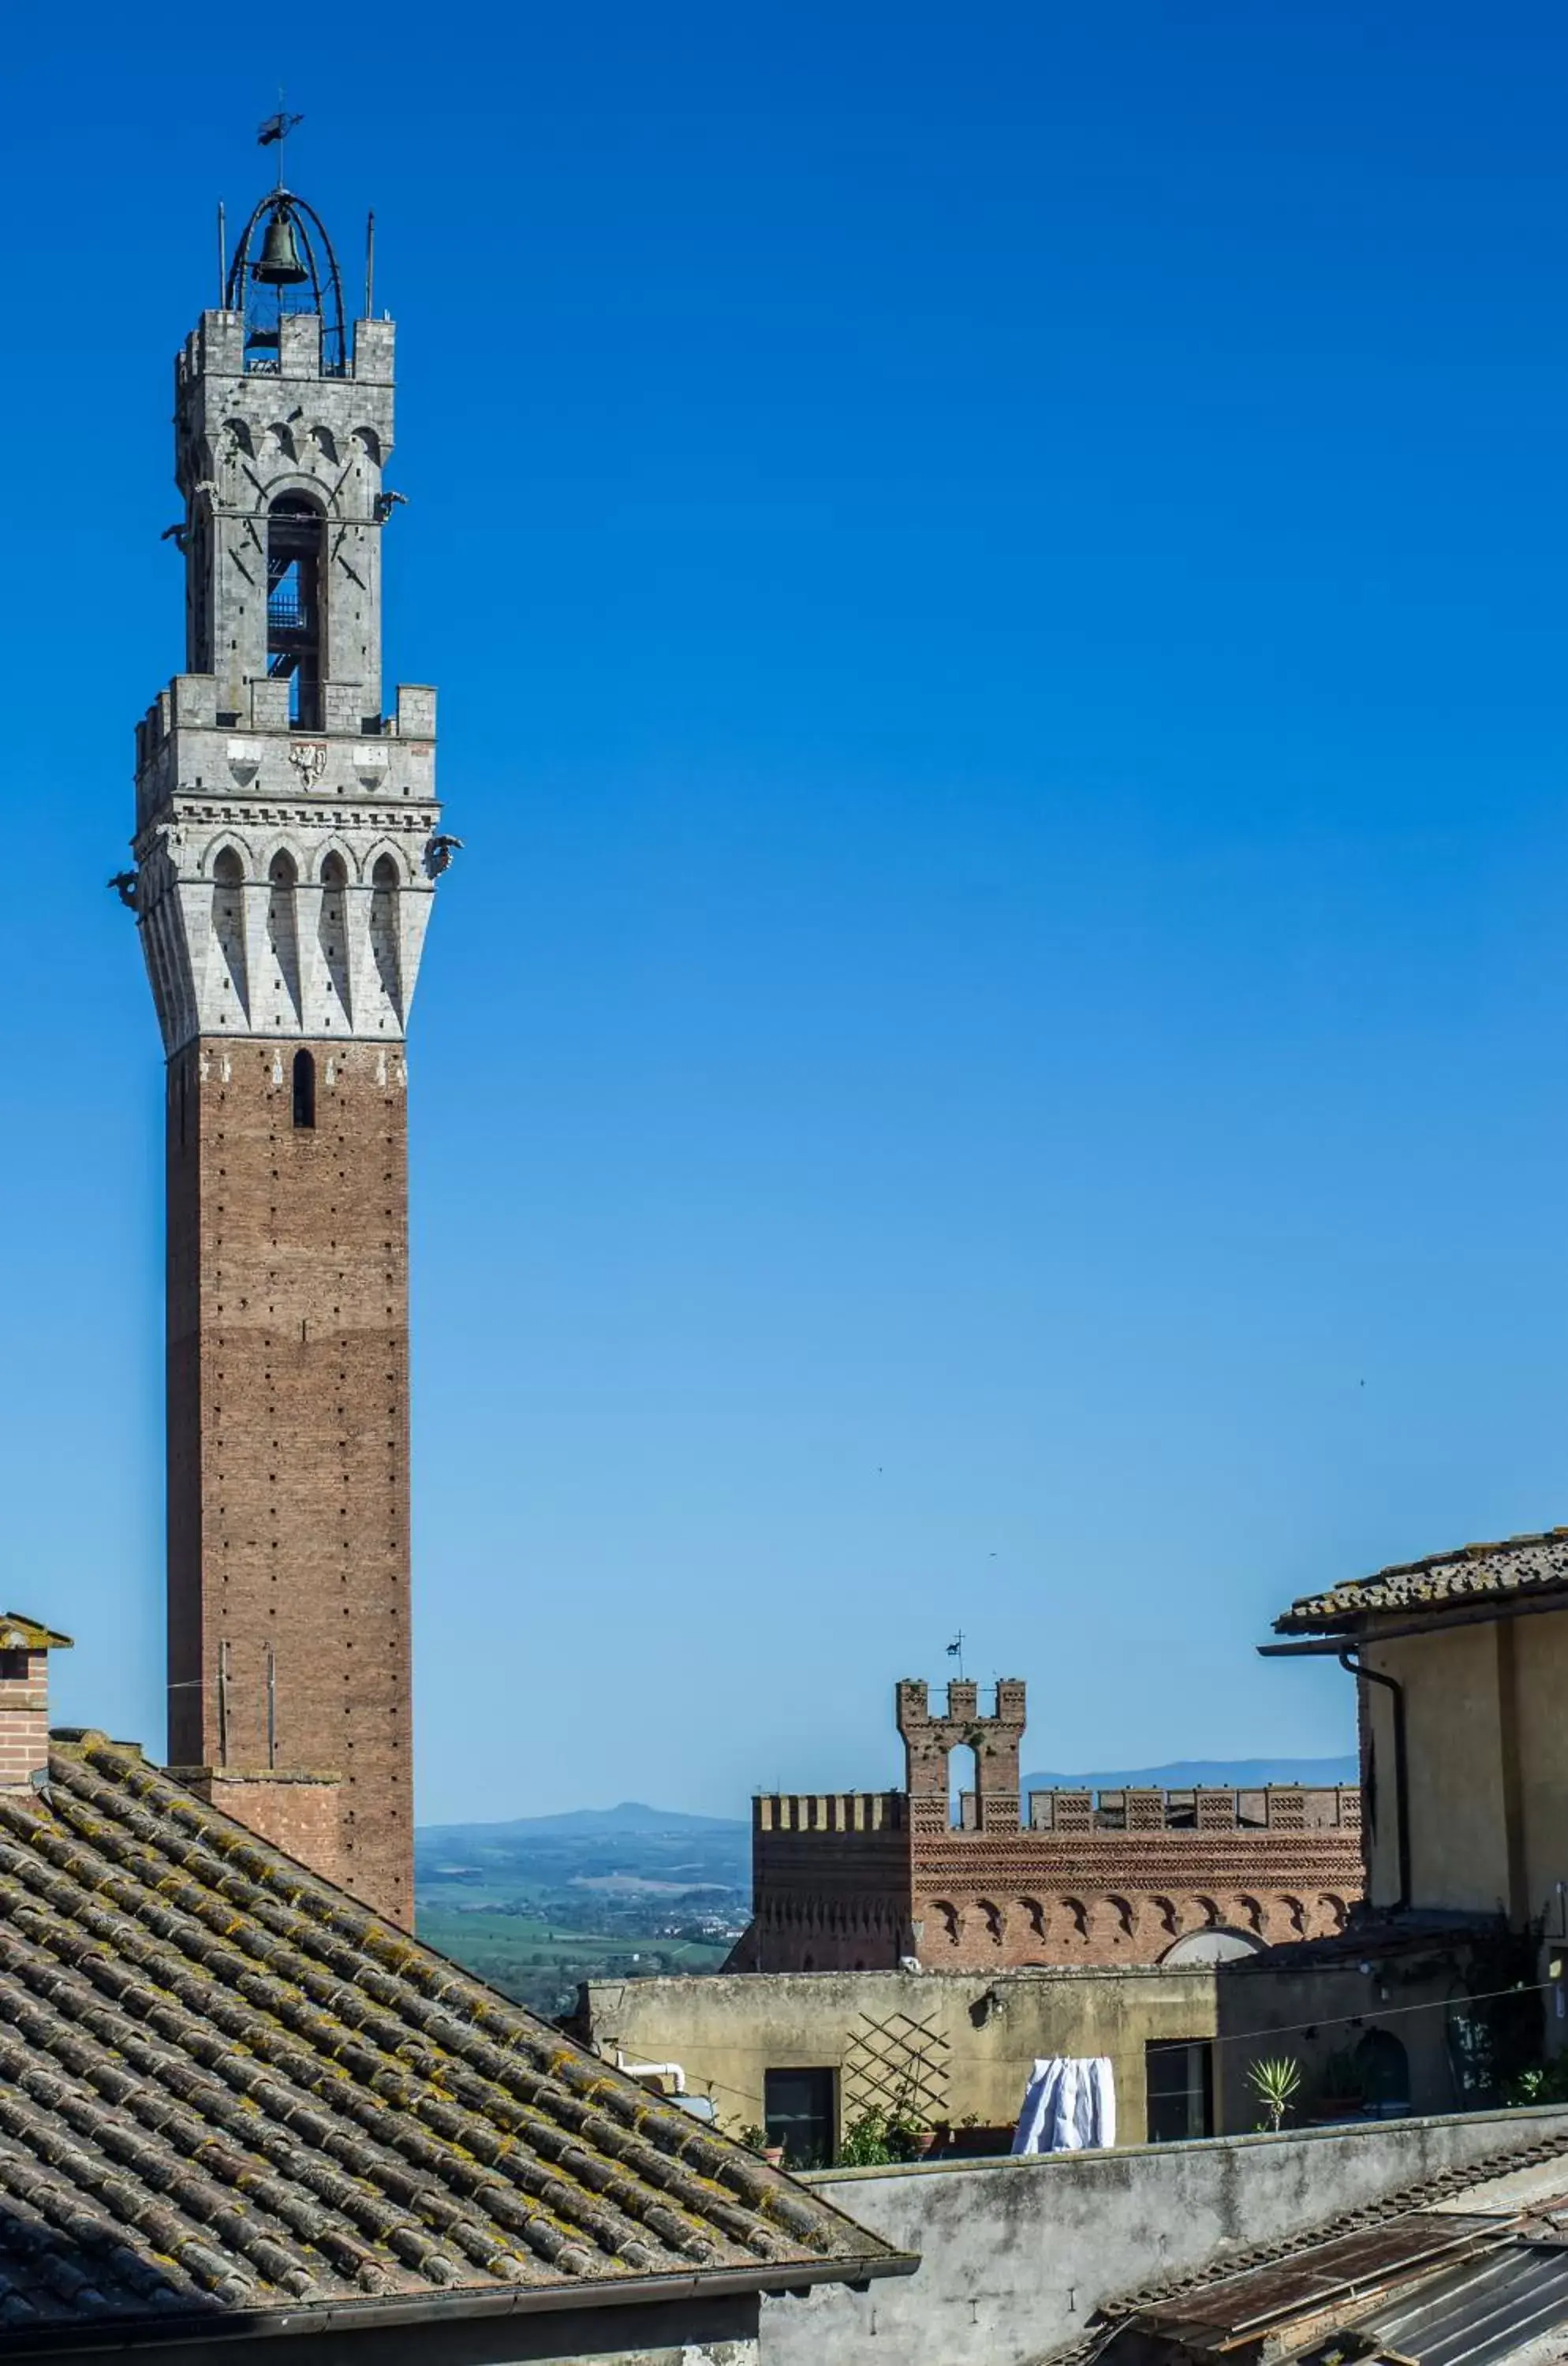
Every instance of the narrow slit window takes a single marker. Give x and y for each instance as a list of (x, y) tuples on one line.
[(305, 1091)]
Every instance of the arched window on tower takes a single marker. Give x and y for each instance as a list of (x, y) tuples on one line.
[(305, 1091), (332, 931), (294, 531), (283, 935), (384, 886), (228, 930)]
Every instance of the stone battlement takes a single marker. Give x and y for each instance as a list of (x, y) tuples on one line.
[(829, 1811), (217, 348)]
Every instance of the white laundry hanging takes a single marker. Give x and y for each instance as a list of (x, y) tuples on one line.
[(1070, 2105)]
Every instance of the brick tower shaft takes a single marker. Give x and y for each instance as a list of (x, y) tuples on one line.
[(288, 1443)]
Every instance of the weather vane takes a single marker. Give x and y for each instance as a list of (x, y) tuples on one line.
[(274, 132), (956, 1652)]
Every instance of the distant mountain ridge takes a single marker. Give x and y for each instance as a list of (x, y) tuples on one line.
[(1224, 1773), (637, 1821), (590, 1824)]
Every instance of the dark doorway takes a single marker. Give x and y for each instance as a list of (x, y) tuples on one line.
[(1179, 2074)]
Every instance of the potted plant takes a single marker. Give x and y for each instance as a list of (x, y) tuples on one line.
[(1275, 2082), (1340, 2095)]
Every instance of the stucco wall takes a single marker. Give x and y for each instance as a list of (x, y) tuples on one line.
[(1458, 1836), (1016, 2255), (1317, 2012), (1487, 1749), (978, 2037), (1540, 1679)]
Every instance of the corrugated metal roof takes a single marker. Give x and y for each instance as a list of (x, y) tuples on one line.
[(1329, 2272), (1480, 2312)]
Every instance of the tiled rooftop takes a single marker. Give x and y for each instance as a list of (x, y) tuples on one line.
[(1474, 1574), (225, 2087)]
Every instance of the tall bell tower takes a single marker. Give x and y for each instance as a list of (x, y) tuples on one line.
[(287, 843)]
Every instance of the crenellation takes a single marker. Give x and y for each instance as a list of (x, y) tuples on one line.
[(300, 352), (415, 711), (375, 344), (1133, 1875)]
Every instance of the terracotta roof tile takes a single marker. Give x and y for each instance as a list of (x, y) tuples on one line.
[(1477, 1573), (225, 2085)]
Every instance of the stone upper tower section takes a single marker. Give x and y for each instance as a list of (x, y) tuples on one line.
[(288, 835)]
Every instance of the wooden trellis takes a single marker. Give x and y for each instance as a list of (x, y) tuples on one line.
[(896, 2066)]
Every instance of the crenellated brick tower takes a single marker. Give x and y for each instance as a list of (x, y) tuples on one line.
[(863, 1880), (288, 841)]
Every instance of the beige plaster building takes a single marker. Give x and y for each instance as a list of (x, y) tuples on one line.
[(804, 2056), (1461, 1662)]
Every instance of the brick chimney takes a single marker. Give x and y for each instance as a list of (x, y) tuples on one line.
[(25, 1647)]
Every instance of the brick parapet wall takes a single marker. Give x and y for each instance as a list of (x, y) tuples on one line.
[(829, 1811), (1274, 1807)]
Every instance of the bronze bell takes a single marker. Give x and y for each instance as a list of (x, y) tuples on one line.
[(280, 265)]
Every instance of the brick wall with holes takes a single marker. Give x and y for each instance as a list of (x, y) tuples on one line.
[(288, 1434)]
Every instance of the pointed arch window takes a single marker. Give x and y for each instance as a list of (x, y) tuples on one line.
[(384, 887), (332, 927), (229, 926)]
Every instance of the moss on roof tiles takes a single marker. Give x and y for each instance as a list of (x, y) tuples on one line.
[(243, 2089)]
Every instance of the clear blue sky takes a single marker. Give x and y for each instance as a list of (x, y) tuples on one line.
[(998, 579)]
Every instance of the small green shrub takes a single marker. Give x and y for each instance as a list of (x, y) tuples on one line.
[(1275, 2083)]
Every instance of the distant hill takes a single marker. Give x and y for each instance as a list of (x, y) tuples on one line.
[(585, 1823), (1226, 1773), (542, 1857)]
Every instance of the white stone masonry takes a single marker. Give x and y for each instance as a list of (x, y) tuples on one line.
[(287, 836)]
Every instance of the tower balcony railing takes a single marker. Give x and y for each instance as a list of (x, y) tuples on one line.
[(287, 612)]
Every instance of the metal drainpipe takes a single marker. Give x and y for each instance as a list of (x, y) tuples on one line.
[(1353, 1666)]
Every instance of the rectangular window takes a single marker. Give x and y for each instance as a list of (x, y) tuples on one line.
[(1179, 2073), (797, 2110)]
